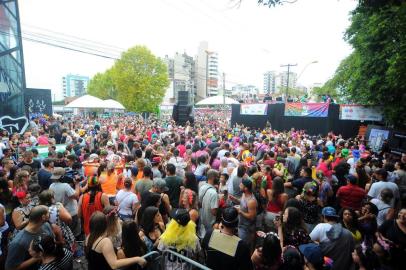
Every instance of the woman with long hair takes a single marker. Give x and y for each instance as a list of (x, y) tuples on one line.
[(365, 258), (292, 230), (132, 245), (153, 200), (51, 255), (189, 202), (99, 249), (91, 201), (152, 227), (58, 215), (190, 182), (21, 181), (276, 201), (113, 230), (268, 252), (309, 204), (349, 220)]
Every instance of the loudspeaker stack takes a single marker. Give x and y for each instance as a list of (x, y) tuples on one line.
[(183, 111)]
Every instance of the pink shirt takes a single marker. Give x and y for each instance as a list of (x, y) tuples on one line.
[(43, 140), (323, 167)]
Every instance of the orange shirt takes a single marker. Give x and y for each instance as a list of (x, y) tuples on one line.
[(109, 186), (90, 169)]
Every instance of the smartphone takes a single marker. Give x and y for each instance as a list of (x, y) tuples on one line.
[(277, 217)]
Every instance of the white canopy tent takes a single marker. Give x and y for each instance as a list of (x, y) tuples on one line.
[(86, 102), (113, 104), (216, 100)]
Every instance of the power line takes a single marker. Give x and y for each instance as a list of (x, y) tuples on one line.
[(59, 46)]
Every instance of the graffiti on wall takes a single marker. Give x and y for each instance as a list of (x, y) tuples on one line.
[(13, 125)]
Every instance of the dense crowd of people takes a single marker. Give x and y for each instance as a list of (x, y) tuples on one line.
[(228, 198)]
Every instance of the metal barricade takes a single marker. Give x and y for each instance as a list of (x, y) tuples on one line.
[(173, 261), (153, 259)]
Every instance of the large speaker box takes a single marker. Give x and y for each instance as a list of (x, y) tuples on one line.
[(183, 97)]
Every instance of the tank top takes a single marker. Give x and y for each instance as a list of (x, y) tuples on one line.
[(96, 260), (245, 222), (110, 185), (275, 206), (89, 208)]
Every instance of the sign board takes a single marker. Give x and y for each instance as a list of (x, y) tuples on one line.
[(253, 109), (306, 109), (360, 113), (43, 150), (38, 101)]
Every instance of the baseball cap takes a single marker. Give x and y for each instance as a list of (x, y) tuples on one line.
[(312, 253), (156, 160), (57, 173), (329, 212), (160, 184), (181, 216)]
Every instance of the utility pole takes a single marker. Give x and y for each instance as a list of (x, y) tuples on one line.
[(287, 80)]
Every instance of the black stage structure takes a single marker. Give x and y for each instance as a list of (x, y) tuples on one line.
[(313, 125)]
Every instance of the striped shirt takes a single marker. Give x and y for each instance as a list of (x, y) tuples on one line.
[(65, 263)]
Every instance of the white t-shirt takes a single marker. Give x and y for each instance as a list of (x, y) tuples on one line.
[(383, 209), (126, 199), (319, 232), (62, 194), (376, 188)]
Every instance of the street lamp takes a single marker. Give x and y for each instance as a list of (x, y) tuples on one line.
[(304, 69)]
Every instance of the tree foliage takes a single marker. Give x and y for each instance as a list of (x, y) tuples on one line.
[(375, 73), (102, 86), (138, 80)]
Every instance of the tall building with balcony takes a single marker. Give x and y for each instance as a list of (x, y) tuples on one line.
[(284, 79), (181, 71), (207, 72), (74, 85), (269, 82), (212, 74)]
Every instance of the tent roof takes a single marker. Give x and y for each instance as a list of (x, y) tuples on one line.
[(217, 100), (113, 104), (86, 101)]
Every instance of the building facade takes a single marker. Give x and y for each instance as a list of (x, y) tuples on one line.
[(245, 91), (181, 72), (269, 82), (12, 76), (207, 72), (74, 85), (284, 79), (212, 74)]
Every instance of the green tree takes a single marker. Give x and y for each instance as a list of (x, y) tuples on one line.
[(375, 73), (140, 79), (102, 86), (137, 80)]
